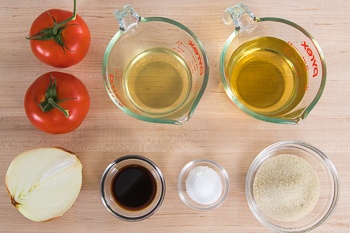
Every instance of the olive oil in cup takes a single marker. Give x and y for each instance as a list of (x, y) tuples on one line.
[(132, 188), (267, 75), (271, 68)]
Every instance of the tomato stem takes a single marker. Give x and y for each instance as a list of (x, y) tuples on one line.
[(55, 32), (59, 25), (53, 103), (51, 100)]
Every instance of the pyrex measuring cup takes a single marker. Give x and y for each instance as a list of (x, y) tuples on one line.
[(155, 69), (271, 68)]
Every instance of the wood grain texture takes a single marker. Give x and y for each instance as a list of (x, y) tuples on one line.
[(218, 129)]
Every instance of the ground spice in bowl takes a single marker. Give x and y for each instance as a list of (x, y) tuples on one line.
[(291, 186), (286, 188)]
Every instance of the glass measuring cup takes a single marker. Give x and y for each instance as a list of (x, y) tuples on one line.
[(271, 68), (154, 69)]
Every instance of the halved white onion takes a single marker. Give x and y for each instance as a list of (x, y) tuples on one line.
[(44, 183)]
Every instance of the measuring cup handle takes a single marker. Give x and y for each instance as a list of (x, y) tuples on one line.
[(127, 18), (239, 15)]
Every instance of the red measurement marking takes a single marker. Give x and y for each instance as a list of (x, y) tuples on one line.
[(114, 86), (195, 50), (111, 81), (312, 56), (178, 47), (195, 85)]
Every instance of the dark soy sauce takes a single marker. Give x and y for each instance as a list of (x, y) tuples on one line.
[(133, 187)]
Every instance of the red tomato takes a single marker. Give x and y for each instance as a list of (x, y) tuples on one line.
[(65, 48), (69, 95)]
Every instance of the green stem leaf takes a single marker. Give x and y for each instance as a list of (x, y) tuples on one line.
[(55, 32), (73, 17), (52, 100), (54, 104)]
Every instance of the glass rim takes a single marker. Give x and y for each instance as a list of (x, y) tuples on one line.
[(307, 109), (205, 72)]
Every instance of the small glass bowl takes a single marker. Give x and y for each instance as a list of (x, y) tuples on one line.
[(181, 183), (106, 191), (326, 173)]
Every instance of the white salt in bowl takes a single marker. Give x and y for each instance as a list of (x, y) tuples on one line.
[(328, 180), (215, 177)]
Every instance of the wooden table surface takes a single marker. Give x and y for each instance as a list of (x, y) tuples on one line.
[(218, 130)]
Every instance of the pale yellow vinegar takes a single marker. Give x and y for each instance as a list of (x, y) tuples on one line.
[(267, 75), (157, 81)]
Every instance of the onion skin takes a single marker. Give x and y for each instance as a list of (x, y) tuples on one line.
[(44, 183)]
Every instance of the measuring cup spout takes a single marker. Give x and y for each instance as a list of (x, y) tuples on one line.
[(296, 117), (127, 18), (239, 15)]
